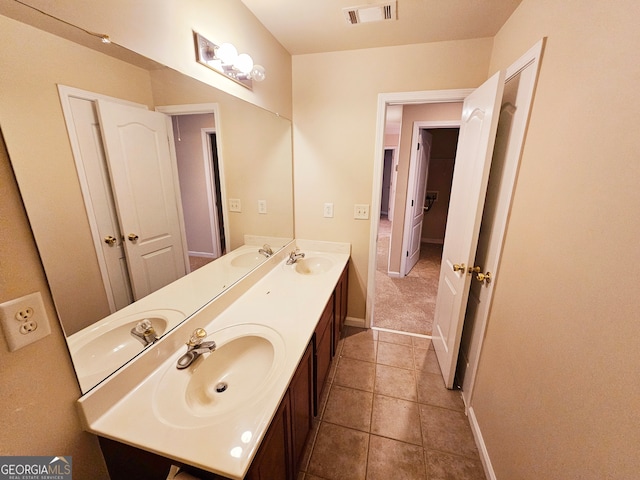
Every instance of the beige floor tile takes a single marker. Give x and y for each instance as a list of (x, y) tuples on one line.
[(444, 466), (390, 459), (395, 355), (355, 374), (349, 407), (391, 337), (396, 418), (431, 390), (396, 382), (425, 360), (339, 453), (361, 347), (422, 342), (447, 431)]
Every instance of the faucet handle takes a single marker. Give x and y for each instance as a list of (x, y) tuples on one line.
[(196, 337)]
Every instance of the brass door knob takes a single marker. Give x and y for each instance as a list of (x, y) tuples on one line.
[(458, 267), (484, 277), (133, 237), (109, 240), (474, 270)]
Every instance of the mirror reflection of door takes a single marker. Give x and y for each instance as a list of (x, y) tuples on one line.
[(127, 178)]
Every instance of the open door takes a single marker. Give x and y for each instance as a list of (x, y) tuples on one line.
[(145, 193), (415, 201), (480, 115)]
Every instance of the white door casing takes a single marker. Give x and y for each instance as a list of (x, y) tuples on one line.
[(142, 175), (212, 199), (471, 172), (417, 186)]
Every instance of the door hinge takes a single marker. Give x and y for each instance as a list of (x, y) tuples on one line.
[(407, 253), (418, 147), (412, 203)]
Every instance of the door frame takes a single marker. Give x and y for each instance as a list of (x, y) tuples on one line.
[(195, 109), (212, 199), (385, 99), (418, 126)]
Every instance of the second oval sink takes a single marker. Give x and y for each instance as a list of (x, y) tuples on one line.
[(313, 265), (237, 374), (248, 260)]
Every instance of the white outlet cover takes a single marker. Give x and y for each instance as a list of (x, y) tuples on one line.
[(262, 206), (328, 210), (36, 325)]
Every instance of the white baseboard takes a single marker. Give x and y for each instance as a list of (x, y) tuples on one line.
[(482, 448), (355, 322), (201, 254), (438, 241), (394, 274)]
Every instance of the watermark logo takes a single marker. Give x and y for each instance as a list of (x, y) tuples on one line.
[(35, 468)]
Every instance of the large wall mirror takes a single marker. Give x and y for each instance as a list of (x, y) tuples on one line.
[(239, 154)]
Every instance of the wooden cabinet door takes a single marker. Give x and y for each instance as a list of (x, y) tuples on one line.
[(273, 460), (323, 350), (341, 299), (301, 398)]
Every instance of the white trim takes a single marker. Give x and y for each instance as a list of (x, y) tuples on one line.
[(384, 99), (202, 254), (355, 322), (211, 189), (65, 93), (482, 447), (398, 332)]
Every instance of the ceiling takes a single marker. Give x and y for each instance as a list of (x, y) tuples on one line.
[(313, 26)]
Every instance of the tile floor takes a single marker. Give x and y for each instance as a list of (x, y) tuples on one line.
[(385, 414)]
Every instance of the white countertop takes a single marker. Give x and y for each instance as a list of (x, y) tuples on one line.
[(129, 409)]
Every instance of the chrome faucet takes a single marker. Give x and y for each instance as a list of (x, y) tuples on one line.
[(294, 256), (266, 250), (195, 348), (144, 331)]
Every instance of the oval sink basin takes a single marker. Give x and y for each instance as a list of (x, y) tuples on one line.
[(237, 374), (313, 265), (248, 260), (99, 351)]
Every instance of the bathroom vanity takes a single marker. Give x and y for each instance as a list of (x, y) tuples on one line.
[(244, 410)]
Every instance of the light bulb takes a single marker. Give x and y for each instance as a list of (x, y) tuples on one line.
[(244, 63), (258, 73), (227, 54)]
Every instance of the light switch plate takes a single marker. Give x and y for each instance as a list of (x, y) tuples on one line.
[(262, 206), (328, 210), (361, 211), (235, 205), (24, 320)]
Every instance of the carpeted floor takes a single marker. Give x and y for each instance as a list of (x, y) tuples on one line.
[(406, 304)]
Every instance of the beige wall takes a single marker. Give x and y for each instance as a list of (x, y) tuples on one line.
[(163, 31), (39, 387), (557, 389), (335, 103)]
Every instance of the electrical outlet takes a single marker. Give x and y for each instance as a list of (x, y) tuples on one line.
[(24, 320), (328, 210), (361, 211), (235, 205), (262, 206)]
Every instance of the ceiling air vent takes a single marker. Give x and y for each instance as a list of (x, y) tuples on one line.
[(370, 13)]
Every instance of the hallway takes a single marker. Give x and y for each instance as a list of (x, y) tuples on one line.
[(406, 304), (385, 414)]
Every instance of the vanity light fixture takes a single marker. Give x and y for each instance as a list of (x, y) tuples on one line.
[(224, 59)]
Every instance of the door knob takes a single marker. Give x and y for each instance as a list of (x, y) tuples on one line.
[(474, 270), (109, 240), (484, 277), (458, 267), (133, 237)]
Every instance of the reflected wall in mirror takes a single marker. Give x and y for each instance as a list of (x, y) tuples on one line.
[(254, 147)]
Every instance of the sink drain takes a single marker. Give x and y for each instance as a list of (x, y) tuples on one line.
[(221, 387)]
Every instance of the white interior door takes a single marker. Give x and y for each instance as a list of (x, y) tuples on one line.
[(146, 194), (109, 238), (414, 216), (480, 115)]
